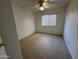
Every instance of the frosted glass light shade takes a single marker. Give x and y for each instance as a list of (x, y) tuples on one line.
[(41, 8)]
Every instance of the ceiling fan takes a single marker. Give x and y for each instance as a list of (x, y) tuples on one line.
[(49, 4), (42, 5)]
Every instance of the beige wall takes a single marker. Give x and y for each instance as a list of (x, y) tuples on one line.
[(58, 29), (71, 28), (24, 19)]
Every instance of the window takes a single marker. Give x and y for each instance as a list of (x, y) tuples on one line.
[(49, 20)]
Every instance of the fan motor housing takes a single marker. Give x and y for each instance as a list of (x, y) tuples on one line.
[(41, 2)]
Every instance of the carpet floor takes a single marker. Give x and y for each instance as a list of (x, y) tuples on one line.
[(44, 46)]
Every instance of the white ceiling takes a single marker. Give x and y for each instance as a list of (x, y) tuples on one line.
[(31, 3)]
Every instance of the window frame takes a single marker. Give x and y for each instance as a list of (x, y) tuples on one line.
[(49, 25)]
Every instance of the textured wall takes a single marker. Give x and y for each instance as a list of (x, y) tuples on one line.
[(71, 28), (24, 19)]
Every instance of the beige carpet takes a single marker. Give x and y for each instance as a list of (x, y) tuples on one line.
[(44, 46)]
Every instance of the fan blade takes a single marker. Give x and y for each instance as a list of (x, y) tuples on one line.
[(35, 7), (45, 5), (45, 0)]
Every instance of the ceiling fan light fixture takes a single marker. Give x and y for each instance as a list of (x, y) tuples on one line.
[(41, 8)]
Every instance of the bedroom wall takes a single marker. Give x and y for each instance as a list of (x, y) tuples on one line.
[(71, 28), (24, 19), (58, 29)]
